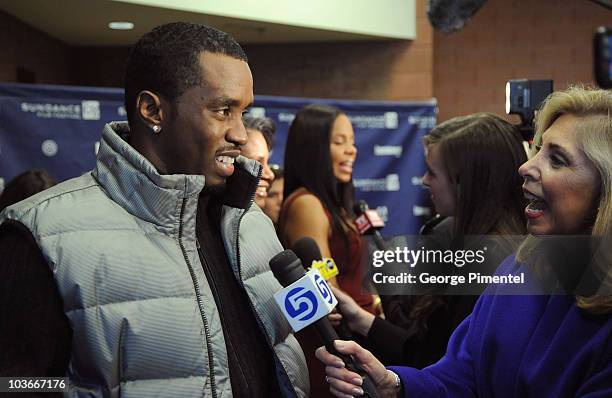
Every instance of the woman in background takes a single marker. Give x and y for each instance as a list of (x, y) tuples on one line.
[(318, 203), (471, 175), (319, 193)]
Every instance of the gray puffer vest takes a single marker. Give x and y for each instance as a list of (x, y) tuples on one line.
[(122, 246)]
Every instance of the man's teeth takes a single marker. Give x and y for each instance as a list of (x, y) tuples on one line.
[(225, 159)]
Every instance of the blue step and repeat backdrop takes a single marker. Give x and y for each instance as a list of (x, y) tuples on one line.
[(57, 128)]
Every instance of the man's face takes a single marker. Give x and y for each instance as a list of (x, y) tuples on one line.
[(203, 131), (274, 200), (256, 148)]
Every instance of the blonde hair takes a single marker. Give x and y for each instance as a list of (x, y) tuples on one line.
[(594, 135)]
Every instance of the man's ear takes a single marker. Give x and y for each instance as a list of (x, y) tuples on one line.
[(149, 108)]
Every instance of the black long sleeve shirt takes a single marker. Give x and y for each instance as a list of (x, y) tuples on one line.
[(35, 334), (396, 345)]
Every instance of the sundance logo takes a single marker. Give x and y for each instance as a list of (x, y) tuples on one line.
[(388, 150), (91, 110), (388, 120), (391, 120), (87, 110), (52, 111), (391, 183), (424, 122)]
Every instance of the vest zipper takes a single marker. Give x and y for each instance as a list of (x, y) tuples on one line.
[(259, 322), (211, 372), (213, 287), (238, 228)]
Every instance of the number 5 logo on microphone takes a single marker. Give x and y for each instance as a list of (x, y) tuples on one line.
[(306, 300), (324, 289), (301, 302)]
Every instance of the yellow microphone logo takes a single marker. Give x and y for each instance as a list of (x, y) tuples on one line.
[(327, 267)]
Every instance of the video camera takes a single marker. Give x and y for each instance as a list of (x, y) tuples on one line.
[(603, 57), (523, 98)]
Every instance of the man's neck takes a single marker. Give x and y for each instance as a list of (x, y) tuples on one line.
[(140, 142)]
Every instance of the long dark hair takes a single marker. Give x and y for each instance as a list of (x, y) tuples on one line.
[(481, 154), (308, 164)]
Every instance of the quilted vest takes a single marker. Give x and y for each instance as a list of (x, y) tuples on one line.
[(121, 243)]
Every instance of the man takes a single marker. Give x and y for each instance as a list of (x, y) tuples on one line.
[(149, 275), (274, 199), (260, 132)]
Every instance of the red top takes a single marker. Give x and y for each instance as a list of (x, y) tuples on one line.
[(349, 261)]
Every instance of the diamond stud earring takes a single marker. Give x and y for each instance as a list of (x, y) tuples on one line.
[(156, 128)]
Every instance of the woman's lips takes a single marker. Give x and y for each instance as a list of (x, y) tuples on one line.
[(535, 209), (346, 167), (536, 206)]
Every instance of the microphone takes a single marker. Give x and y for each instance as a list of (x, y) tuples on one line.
[(369, 222), (303, 299), (451, 15), (308, 252)]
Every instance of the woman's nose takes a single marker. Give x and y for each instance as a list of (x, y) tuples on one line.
[(528, 170), (425, 180)]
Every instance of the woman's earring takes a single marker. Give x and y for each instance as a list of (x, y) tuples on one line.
[(156, 128)]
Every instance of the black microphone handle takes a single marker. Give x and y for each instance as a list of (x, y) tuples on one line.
[(287, 268), (328, 334), (360, 207), (344, 331), (379, 241)]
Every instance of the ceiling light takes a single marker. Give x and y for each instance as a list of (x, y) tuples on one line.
[(120, 25)]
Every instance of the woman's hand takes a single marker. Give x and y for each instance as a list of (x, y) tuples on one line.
[(334, 318), (345, 383), (357, 319)]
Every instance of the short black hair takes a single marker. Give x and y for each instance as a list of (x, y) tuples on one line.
[(166, 60), (265, 125)]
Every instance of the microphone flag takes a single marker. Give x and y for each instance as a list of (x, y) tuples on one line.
[(306, 300)]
